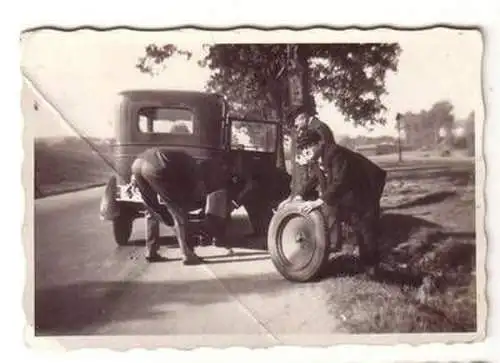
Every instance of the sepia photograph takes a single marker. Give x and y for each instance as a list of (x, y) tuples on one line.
[(194, 187)]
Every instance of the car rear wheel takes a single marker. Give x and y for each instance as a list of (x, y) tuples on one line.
[(297, 243), (122, 229)]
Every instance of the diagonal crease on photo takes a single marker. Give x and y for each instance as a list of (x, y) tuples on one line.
[(39, 92), (42, 96)]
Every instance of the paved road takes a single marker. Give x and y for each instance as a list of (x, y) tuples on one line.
[(85, 284)]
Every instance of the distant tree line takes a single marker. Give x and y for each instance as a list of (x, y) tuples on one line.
[(437, 129), (353, 142)]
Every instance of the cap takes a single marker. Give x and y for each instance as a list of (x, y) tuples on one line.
[(307, 138), (297, 110)]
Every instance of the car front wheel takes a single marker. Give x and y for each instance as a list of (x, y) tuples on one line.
[(122, 229)]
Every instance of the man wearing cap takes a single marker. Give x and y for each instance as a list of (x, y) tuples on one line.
[(350, 189), (303, 119), (307, 124)]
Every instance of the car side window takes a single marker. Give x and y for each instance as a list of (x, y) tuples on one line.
[(253, 136)]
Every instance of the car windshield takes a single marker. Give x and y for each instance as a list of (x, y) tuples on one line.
[(253, 136), (166, 121)]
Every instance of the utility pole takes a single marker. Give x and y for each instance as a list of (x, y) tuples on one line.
[(398, 122)]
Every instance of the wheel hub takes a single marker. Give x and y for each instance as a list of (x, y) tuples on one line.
[(297, 242), (301, 239)]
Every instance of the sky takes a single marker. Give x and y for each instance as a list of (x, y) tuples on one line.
[(74, 77)]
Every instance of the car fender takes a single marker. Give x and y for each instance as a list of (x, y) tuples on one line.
[(109, 206)]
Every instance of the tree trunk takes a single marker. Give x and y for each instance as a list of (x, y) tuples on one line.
[(300, 94), (281, 162), (299, 173)]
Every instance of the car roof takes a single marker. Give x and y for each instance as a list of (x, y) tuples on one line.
[(160, 93)]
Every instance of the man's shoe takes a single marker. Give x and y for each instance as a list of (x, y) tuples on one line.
[(192, 261), (156, 257)]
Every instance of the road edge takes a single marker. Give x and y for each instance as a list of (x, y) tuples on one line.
[(70, 190)]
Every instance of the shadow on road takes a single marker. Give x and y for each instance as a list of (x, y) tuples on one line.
[(238, 230), (431, 198), (168, 241), (67, 310), (256, 244), (211, 260), (349, 265), (396, 229)]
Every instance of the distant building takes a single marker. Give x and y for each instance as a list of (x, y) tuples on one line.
[(367, 150), (377, 149), (386, 148), (458, 131)]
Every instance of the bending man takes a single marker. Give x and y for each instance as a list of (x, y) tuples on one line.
[(347, 192), (170, 186)]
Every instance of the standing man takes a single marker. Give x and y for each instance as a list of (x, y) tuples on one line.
[(304, 118), (306, 123)]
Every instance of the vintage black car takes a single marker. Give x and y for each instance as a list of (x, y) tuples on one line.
[(198, 124)]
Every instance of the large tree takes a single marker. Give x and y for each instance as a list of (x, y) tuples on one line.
[(256, 77), (253, 76)]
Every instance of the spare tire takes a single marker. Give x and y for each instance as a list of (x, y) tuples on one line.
[(297, 242)]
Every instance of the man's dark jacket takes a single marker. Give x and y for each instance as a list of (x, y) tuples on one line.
[(348, 179)]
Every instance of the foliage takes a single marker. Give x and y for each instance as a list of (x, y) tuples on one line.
[(252, 76), (257, 78), (353, 77), (422, 129), (470, 134), (156, 55), (466, 140)]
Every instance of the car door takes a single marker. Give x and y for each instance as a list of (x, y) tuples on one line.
[(253, 144)]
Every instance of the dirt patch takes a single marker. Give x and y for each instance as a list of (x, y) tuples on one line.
[(427, 280)]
